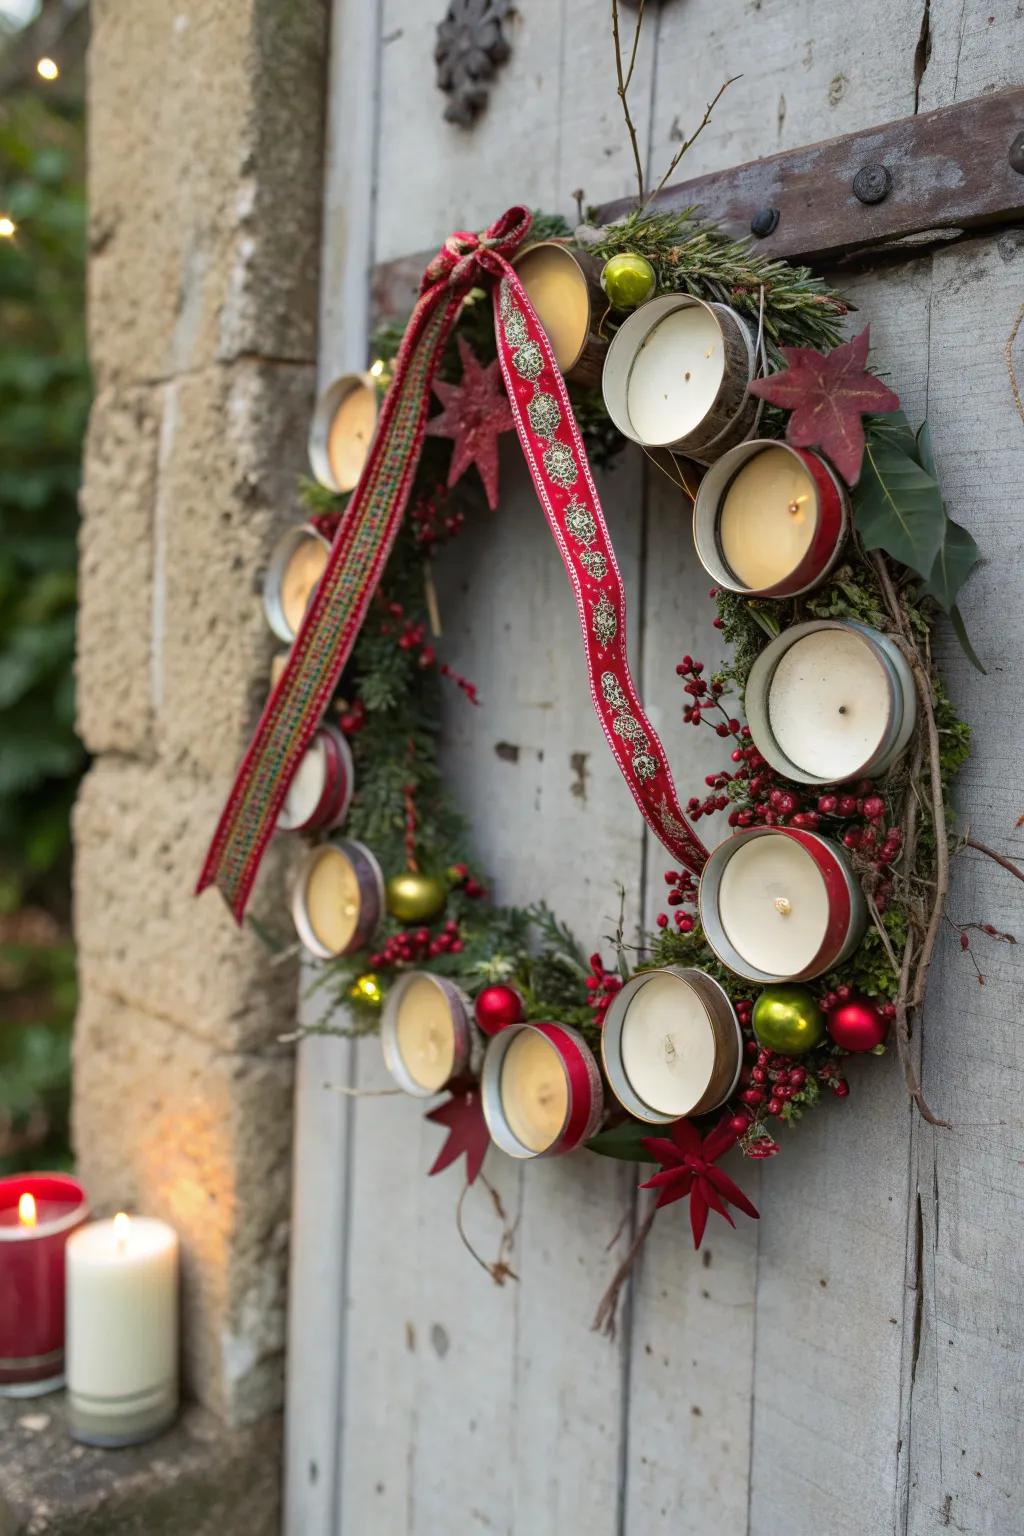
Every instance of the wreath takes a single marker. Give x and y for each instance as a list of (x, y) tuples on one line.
[(504, 978)]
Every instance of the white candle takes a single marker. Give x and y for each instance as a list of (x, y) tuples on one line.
[(348, 440), (676, 375), (767, 518), (830, 703), (305, 566), (668, 1045), (534, 1091), (773, 905), (122, 1330), (558, 292), (425, 1034), (306, 788), (332, 899)]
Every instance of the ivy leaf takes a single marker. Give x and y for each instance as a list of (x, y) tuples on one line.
[(956, 559), (960, 629), (898, 507), (624, 1141), (828, 393)]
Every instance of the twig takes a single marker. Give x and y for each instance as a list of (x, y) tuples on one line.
[(1008, 355), (883, 935), (686, 144), (990, 853), (608, 1306), (941, 890), (500, 1270), (623, 86)]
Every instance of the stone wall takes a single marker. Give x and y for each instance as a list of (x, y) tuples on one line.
[(206, 139)]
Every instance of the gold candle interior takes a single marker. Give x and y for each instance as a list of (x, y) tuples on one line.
[(348, 441), (558, 292), (767, 519), (534, 1091), (332, 900), (425, 1034), (305, 566)]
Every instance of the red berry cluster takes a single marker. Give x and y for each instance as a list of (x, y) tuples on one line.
[(414, 945), (353, 718), (434, 521), (843, 994), (683, 890), (602, 986), (462, 880), (768, 1080)]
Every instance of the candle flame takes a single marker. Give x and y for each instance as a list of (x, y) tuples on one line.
[(783, 906), (122, 1227), (27, 1209)]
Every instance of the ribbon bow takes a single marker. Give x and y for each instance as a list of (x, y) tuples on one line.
[(465, 256), (688, 1169)]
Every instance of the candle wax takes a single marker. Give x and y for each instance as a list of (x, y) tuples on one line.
[(668, 1045), (773, 904), (676, 375), (46, 1211), (348, 441), (306, 788), (425, 1034), (305, 567), (558, 292), (829, 703), (534, 1091), (767, 517), (332, 900)]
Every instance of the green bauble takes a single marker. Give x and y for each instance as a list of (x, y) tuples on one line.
[(416, 898), (788, 1020), (628, 280)]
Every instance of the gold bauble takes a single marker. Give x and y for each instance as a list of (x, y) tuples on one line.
[(414, 897)]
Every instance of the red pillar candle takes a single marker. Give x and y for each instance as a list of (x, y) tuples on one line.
[(38, 1211)]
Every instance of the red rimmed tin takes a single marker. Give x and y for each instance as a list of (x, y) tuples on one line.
[(320, 793), (296, 564), (337, 898), (780, 904), (32, 1244), (541, 1090), (427, 1033), (779, 512)]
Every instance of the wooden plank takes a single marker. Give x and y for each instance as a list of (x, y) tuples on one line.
[(949, 171)]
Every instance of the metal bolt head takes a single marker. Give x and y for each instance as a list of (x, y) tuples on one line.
[(765, 222), (1016, 155), (872, 183)]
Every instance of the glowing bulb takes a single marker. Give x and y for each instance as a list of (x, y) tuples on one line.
[(122, 1227), (47, 69), (27, 1210), (7, 227), (377, 368)]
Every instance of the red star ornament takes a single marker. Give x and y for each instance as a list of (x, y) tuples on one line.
[(476, 411), (467, 1132), (828, 393), (688, 1169)]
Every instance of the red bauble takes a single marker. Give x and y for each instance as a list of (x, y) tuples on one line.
[(857, 1025), (497, 1007)]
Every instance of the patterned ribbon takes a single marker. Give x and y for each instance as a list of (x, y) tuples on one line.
[(562, 479)]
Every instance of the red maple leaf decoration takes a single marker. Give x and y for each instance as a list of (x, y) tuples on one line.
[(467, 1132), (828, 393), (688, 1169), (476, 411)]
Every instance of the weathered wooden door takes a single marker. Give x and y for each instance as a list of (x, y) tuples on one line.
[(852, 1365)]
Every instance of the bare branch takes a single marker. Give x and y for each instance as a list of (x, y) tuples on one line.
[(990, 853), (687, 143), (623, 87)]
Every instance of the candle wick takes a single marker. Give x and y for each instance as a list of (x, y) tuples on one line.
[(670, 1048), (842, 709), (783, 906)]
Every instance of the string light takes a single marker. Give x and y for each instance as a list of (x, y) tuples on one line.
[(377, 368), (8, 228), (47, 69)]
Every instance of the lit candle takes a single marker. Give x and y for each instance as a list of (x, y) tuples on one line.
[(780, 904), (829, 701), (342, 430), (320, 793), (676, 375), (338, 899), (560, 286), (671, 1044), (426, 1032), (38, 1212), (540, 1089), (122, 1329)]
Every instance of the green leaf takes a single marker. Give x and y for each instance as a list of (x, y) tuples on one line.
[(898, 507), (953, 564), (925, 454), (960, 629), (624, 1141)]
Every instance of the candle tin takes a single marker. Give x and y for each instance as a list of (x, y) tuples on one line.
[(329, 755), (369, 880), (725, 1028), (584, 367), (734, 412), (583, 1079), (32, 1282), (321, 529), (831, 520), (327, 408), (898, 681), (847, 913), (467, 1037)]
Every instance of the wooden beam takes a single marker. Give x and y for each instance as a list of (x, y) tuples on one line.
[(949, 170)]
